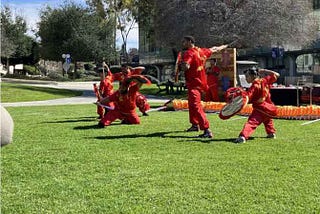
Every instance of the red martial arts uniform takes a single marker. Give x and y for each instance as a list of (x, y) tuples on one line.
[(141, 100), (263, 107), (213, 84), (105, 89), (196, 83), (125, 107), (142, 103), (120, 76)]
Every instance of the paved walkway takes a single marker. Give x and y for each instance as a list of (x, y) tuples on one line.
[(87, 96)]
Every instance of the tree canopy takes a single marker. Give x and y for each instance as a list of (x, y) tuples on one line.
[(73, 29), (122, 14), (14, 41), (252, 22)]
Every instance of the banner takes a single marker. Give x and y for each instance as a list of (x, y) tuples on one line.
[(225, 63)]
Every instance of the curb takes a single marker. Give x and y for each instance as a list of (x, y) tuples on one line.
[(29, 81)]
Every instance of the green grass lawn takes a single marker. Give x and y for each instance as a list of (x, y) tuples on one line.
[(12, 92), (59, 162), (154, 90)]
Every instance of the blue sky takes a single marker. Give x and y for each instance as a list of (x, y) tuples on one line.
[(29, 10)]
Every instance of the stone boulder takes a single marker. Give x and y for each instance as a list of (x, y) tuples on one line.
[(6, 128)]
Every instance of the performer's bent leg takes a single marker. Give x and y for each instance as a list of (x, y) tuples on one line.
[(254, 120), (133, 118), (269, 126), (110, 117)]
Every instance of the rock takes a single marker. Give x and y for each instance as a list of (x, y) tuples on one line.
[(6, 128)]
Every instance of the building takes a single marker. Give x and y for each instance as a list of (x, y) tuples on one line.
[(292, 64), (159, 62)]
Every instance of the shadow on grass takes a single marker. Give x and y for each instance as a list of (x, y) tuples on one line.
[(229, 140), (167, 135), (212, 140), (193, 139), (95, 126), (155, 134), (81, 119)]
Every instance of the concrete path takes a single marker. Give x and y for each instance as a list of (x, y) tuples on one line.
[(87, 96)]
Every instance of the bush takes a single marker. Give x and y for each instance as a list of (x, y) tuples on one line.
[(88, 66), (57, 76), (91, 73), (30, 69)]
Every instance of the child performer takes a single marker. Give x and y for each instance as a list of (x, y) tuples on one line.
[(263, 108), (105, 88)]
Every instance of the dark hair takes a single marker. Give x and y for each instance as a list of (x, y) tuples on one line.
[(252, 71), (190, 39)]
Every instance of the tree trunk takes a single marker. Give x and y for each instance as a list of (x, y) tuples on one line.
[(8, 65), (62, 69), (75, 69)]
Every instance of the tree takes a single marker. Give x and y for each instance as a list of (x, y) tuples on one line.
[(14, 41), (123, 14), (73, 29), (252, 22), (7, 48), (108, 23)]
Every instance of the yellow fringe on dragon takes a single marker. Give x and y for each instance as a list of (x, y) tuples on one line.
[(309, 112)]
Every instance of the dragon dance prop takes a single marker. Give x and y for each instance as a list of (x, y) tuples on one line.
[(236, 99), (311, 112)]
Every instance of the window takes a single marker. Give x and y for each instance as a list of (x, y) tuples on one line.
[(304, 63)]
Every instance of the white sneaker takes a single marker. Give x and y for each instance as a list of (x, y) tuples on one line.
[(240, 139), (271, 135)]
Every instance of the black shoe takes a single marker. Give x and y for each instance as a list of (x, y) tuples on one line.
[(145, 114), (240, 139), (271, 135), (100, 125), (193, 128), (206, 134), (125, 122)]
